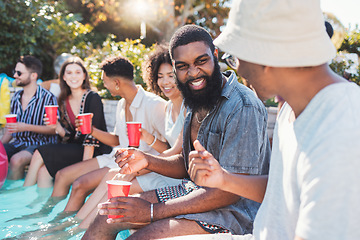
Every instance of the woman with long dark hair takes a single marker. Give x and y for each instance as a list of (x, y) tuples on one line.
[(75, 98)]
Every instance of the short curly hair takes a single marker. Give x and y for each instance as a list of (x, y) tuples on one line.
[(189, 34), (118, 66), (150, 67)]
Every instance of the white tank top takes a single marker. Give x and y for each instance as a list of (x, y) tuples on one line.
[(172, 130)]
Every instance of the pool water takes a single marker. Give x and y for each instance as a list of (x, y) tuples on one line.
[(17, 201)]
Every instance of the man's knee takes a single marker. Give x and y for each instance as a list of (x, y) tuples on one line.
[(169, 227), (20, 160)]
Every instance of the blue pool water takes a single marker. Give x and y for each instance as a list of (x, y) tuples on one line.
[(16, 201)]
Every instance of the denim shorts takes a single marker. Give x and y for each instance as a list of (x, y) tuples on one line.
[(11, 150)]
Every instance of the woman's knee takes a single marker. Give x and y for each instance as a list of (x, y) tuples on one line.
[(81, 185), (36, 155), (62, 176), (17, 161)]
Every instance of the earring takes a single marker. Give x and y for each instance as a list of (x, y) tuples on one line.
[(117, 88)]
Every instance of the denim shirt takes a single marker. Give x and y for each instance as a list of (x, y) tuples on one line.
[(235, 133)]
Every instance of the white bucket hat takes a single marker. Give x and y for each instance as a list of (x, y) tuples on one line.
[(277, 33)]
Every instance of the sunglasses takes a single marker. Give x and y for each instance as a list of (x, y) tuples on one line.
[(18, 73), (231, 61)]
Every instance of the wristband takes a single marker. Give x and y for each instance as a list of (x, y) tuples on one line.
[(152, 144), (151, 212)]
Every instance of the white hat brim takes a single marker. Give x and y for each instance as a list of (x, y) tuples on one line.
[(300, 53)]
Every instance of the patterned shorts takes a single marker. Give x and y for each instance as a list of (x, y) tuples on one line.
[(186, 187)]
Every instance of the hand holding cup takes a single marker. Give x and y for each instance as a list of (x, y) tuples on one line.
[(11, 122), (133, 209), (12, 125), (117, 188), (83, 123), (51, 114)]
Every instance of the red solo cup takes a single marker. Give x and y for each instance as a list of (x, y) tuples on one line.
[(51, 113), (117, 188), (86, 122), (10, 118), (134, 134)]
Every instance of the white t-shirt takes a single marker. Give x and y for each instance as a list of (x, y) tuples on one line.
[(147, 108), (313, 187)]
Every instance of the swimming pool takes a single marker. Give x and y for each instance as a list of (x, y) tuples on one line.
[(17, 201)]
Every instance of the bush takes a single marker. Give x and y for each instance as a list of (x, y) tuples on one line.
[(340, 64), (23, 31), (134, 50), (44, 29)]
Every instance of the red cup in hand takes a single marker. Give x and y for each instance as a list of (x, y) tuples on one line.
[(134, 133), (51, 113), (10, 118), (118, 188), (86, 122)]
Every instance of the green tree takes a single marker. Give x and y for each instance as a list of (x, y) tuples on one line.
[(23, 29), (44, 29), (161, 17)]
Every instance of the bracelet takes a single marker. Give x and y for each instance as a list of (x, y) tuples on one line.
[(151, 212), (152, 144)]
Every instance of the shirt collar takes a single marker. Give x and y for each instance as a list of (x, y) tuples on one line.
[(136, 103), (38, 92), (36, 95), (230, 78)]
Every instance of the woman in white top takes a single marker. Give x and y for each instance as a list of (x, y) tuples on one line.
[(159, 77)]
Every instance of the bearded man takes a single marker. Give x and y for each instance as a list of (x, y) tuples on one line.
[(28, 104), (228, 120)]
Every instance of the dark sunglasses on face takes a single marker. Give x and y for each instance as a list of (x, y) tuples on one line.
[(17, 72), (230, 60)]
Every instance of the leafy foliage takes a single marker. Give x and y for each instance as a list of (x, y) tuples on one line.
[(162, 17), (134, 50), (23, 31), (340, 65), (351, 42), (44, 29)]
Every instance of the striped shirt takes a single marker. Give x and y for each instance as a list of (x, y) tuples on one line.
[(33, 114)]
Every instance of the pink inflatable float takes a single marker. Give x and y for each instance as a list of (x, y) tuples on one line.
[(3, 165)]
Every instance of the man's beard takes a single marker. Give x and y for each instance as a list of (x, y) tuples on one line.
[(207, 97), (24, 83)]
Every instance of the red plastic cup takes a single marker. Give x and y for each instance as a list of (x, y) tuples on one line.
[(86, 122), (118, 188), (51, 113), (10, 118), (134, 134)]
